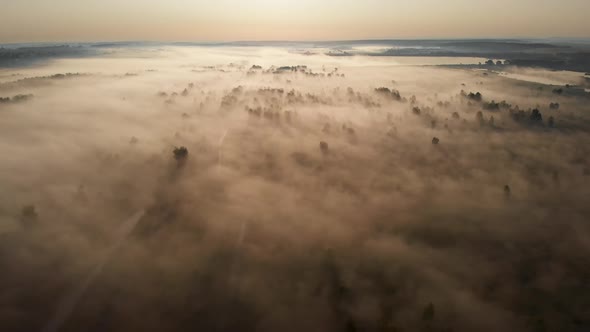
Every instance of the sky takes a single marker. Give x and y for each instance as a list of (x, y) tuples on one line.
[(234, 20)]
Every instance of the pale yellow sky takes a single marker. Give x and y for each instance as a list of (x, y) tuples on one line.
[(229, 20)]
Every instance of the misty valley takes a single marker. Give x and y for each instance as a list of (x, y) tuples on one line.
[(286, 188)]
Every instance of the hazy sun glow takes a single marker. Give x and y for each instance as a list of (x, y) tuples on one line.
[(71, 20)]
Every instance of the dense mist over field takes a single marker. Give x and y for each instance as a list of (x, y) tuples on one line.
[(265, 189)]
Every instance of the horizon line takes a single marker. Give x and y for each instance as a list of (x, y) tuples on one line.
[(299, 41)]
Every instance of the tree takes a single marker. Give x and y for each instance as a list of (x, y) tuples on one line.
[(29, 216), (393, 94), (558, 91), (475, 96), (479, 117), (324, 147), (21, 98), (180, 154), (555, 176), (428, 313), (536, 116), (491, 106)]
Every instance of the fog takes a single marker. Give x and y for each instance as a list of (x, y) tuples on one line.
[(263, 189)]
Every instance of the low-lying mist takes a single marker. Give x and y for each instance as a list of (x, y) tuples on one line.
[(255, 189)]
